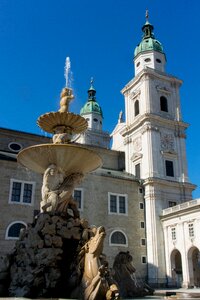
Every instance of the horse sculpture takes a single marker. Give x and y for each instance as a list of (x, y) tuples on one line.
[(97, 283)]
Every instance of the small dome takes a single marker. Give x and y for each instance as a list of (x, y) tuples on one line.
[(148, 42), (91, 107), (148, 45)]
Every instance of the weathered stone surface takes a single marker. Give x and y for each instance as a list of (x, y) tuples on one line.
[(53, 258)]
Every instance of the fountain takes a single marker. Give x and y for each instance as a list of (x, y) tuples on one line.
[(59, 254)]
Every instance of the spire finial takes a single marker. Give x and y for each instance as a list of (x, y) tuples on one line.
[(91, 80), (147, 15)]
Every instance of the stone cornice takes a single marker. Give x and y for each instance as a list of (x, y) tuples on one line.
[(155, 122), (149, 72), (166, 182)]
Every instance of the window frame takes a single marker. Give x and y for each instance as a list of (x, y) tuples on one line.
[(136, 108), (8, 228), (142, 225), (164, 104), (121, 245), (141, 205), (172, 203), (143, 257), (23, 182), (14, 143), (117, 200), (138, 170), (191, 230), (82, 197), (167, 170), (173, 233)]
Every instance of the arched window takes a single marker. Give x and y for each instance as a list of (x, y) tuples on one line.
[(163, 104), (136, 107), (13, 230), (118, 238)]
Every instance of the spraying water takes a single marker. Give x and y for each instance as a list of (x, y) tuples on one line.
[(68, 73)]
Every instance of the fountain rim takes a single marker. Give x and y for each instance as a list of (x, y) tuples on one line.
[(51, 120), (25, 158)]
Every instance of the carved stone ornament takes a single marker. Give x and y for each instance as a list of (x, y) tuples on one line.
[(137, 144), (127, 140), (167, 142), (136, 156), (148, 126)]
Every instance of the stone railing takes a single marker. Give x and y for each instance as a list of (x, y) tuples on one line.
[(180, 206)]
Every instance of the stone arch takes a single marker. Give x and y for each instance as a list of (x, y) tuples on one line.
[(176, 265), (118, 238), (13, 230), (194, 266)]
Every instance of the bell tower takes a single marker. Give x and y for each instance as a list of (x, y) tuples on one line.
[(92, 112), (154, 142)]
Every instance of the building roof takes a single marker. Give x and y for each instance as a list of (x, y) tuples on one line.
[(91, 106), (148, 42)]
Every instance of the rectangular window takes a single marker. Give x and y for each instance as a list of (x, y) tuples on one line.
[(142, 224), (140, 190), (137, 170), (172, 203), (169, 168), (191, 230), (21, 192), (113, 203), (143, 242), (144, 260), (173, 233), (141, 205), (78, 196), (117, 204)]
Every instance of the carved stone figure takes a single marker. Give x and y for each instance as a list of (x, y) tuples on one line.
[(57, 190), (124, 274), (65, 97), (97, 283), (60, 136)]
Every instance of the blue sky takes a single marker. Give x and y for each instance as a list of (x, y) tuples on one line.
[(36, 36)]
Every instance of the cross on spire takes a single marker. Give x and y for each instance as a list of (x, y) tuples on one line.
[(147, 15)]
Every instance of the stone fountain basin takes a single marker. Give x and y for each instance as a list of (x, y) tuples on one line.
[(69, 158)]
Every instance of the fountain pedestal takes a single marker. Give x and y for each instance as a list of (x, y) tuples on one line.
[(59, 254)]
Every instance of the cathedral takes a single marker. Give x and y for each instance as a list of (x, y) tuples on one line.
[(142, 194)]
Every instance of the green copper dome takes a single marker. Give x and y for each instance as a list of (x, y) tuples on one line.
[(148, 42), (91, 106)]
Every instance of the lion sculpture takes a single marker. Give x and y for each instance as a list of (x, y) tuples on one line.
[(124, 274)]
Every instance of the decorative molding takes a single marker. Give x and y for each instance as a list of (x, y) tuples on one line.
[(149, 127), (169, 153), (135, 94), (180, 133), (127, 140), (167, 142), (137, 144), (163, 89), (136, 156)]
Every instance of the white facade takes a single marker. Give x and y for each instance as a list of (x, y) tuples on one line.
[(181, 227), (154, 142)]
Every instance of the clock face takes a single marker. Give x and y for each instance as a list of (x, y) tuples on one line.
[(167, 142)]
